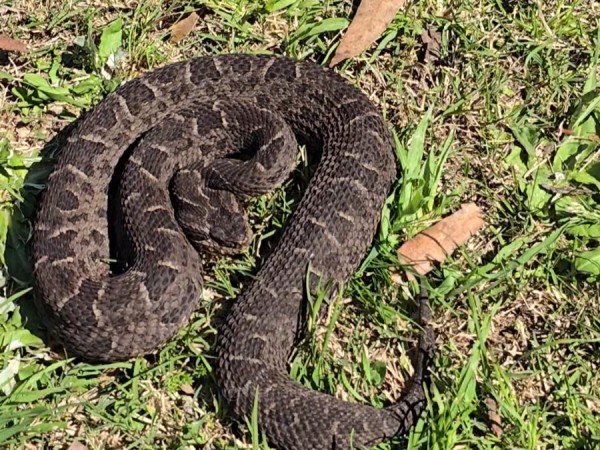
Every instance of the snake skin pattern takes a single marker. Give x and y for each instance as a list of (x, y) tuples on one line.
[(173, 135)]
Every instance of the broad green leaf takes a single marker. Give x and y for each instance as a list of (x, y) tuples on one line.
[(590, 231), (515, 159), (527, 136), (325, 26), (110, 41), (416, 148), (587, 178), (537, 197), (48, 92), (588, 262)]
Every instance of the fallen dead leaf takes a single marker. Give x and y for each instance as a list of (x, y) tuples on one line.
[(184, 27), (432, 45), (186, 389), (11, 45), (437, 242), (371, 19), (494, 419), (77, 446)]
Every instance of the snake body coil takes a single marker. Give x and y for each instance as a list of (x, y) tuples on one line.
[(172, 133)]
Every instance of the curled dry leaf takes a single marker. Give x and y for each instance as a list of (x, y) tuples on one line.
[(494, 419), (432, 45), (371, 19), (186, 389), (77, 446), (11, 45), (437, 242), (184, 27)]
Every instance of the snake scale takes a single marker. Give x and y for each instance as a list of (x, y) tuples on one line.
[(189, 140)]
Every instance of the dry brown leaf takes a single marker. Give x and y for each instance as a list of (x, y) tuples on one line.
[(77, 446), (184, 27), (432, 45), (437, 242), (371, 19), (186, 389), (11, 45), (494, 419)]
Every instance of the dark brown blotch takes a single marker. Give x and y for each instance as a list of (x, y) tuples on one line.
[(67, 201)]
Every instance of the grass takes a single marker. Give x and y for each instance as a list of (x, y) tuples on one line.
[(508, 117)]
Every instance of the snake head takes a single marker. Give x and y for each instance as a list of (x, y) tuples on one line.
[(229, 234), (218, 226)]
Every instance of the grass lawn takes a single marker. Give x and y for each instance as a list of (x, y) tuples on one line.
[(508, 115)]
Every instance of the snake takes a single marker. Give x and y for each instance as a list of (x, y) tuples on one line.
[(156, 175)]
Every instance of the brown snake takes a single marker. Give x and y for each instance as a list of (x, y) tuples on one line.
[(174, 135)]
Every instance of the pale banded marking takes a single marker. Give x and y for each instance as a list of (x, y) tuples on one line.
[(345, 216), (268, 389), (224, 120), (169, 264), (157, 92), (250, 317), (276, 137), (317, 222), (363, 116), (124, 107), (133, 198), (333, 238), (135, 160), (298, 71), (60, 262), (353, 182), (218, 66), (40, 261), (335, 426), (300, 251), (359, 161), (187, 74), (196, 204), (259, 167), (349, 101), (296, 291), (144, 296), (260, 337), (161, 148), (60, 231), (266, 68), (217, 108), (361, 187), (328, 234), (94, 138), (138, 273), (376, 135), (154, 208), (178, 117), (148, 174), (246, 359), (64, 300), (149, 248), (167, 231), (75, 171), (97, 312), (194, 126), (271, 292), (369, 167)]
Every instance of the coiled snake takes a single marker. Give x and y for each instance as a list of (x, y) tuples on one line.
[(173, 134)]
